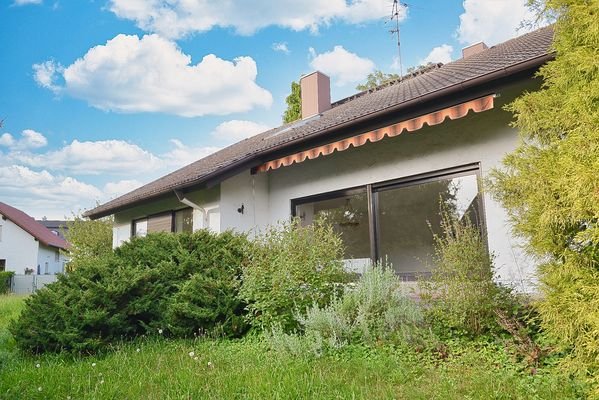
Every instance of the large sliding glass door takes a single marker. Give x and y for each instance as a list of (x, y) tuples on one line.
[(396, 221)]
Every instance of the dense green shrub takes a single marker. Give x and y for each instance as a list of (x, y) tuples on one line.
[(5, 277), (176, 284), (291, 268), (460, 296)]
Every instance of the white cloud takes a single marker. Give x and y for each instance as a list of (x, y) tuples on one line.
[(236, 130), (94, 158), (30, 139), (7, 140), (25, 2), (182, 154), (175, 18), (115, 189), (110, 157), (43, 194), (151, 74), (281, 47), (46, 74), (50, 184), (439, 54), (492, 21), (341, 65)]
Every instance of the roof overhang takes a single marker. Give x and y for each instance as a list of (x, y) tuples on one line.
[(410, 125)]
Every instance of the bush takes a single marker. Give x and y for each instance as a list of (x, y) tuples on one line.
[(5, 278), (178, 284), (372, 310), (291, 268), (461, 297)]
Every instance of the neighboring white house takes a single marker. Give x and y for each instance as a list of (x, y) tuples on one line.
[(375, 164), (28, 246)]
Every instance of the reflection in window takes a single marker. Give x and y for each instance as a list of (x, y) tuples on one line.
[(348, 216), (409, 216), (140, 227), (184, 220)]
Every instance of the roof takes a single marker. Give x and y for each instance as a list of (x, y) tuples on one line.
[(31, 226), (516, 55), (58, 226)]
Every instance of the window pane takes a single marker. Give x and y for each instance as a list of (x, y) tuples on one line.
[(140, 227), (408, 216), (184, 220), (349, 217)]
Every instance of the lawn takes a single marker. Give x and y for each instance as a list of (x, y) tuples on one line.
[(159, 368)]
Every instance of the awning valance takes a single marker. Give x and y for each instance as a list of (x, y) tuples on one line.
[(454, 112)]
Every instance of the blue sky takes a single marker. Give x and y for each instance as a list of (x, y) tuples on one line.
[(101, 96)]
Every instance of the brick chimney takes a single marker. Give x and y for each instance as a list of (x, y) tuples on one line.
[(473, 49), (316, 94)]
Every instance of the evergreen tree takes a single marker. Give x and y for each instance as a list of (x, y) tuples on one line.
[(550, 184)]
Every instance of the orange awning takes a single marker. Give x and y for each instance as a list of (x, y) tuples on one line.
[(454, 112)]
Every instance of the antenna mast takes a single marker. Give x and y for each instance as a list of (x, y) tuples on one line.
[(395, 16)]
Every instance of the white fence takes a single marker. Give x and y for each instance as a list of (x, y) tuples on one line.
[(27, 284)]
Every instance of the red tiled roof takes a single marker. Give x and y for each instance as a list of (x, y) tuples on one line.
[(527, 51), (31, 226)]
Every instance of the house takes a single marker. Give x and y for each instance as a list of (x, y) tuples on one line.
[(58, 227), (376, 164), (26, 246)]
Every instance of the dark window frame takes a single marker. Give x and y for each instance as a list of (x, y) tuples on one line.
[(372, 190)]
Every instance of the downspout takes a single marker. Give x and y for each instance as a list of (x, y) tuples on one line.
[(181, 197)]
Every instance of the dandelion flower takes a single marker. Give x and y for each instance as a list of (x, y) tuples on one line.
[(39, 389), (160, 331), (93, 364), (37, 365), (191, 354), (195, 358), (210, 364), (102, 381), (138, 350)]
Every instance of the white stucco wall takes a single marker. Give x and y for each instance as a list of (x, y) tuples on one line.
[(47, 254), (483, 138), (17, 247), (208, 199)]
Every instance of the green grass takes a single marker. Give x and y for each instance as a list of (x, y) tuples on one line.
[(157, 368)]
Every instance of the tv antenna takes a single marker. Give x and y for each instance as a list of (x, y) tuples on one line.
[(395, 16)]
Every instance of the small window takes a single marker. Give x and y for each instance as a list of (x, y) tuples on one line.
[(2, 265), (140, 227), (46, 268), (57, 255), (184, 220), (0, 233)]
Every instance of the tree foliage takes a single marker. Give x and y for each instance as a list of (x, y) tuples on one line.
[(294, 104), (375, 79), (550, 184), (89, 239)]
